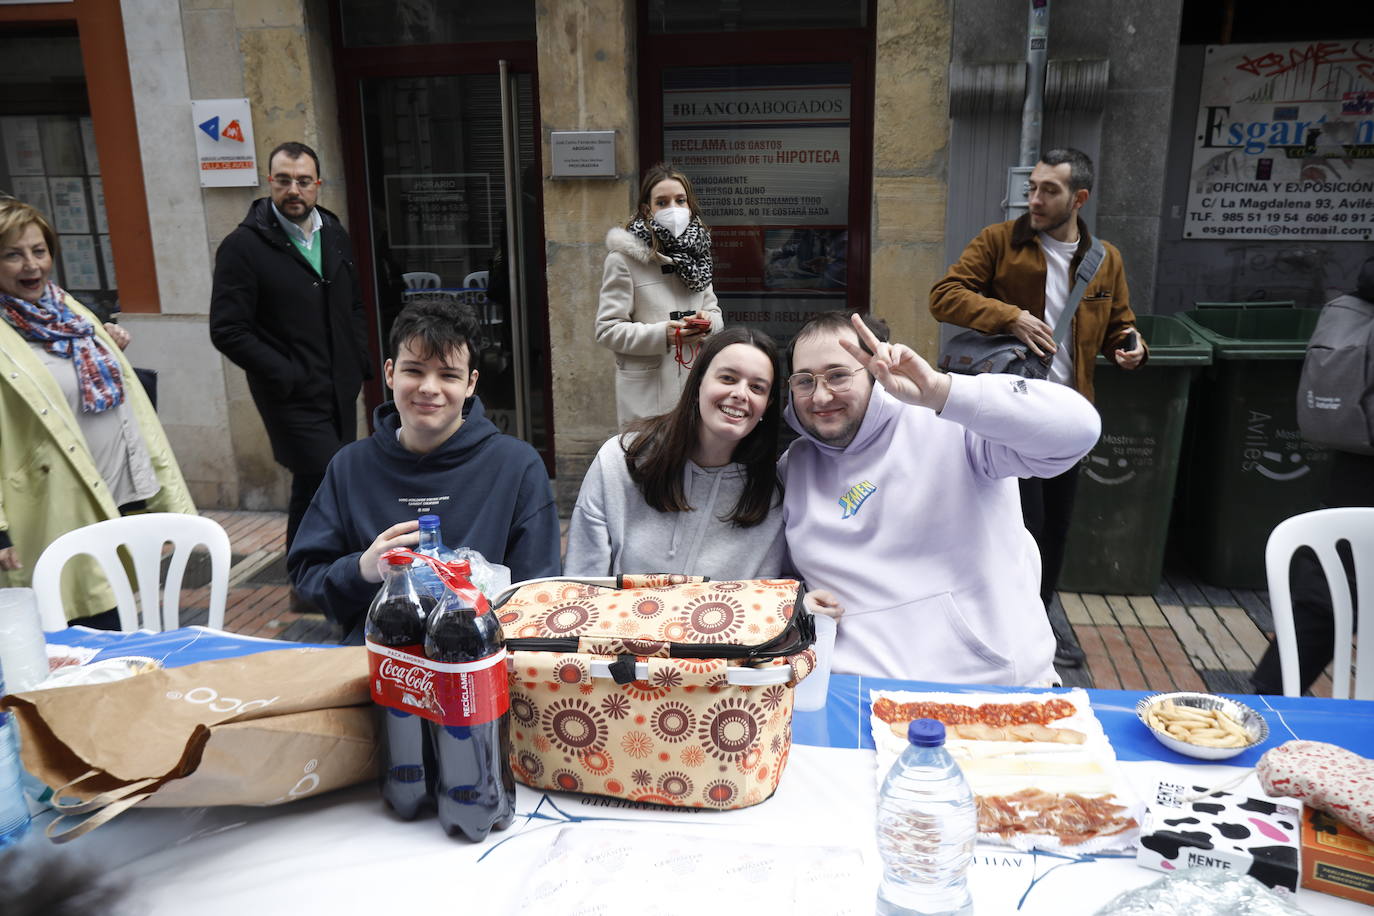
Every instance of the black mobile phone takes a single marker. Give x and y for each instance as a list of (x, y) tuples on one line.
[(1130, 343), (678, 316)]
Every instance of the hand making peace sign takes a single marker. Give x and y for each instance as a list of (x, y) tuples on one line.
[(905, 375)]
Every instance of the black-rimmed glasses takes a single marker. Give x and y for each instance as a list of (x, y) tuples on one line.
[(803, 384)]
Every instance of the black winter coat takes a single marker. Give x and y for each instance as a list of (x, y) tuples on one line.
[(301, 337)]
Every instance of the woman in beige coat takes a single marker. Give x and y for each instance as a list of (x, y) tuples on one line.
[(657, 304)]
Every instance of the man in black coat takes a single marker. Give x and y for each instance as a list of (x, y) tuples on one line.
[(287, 309)]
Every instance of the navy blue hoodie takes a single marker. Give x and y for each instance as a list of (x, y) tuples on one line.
[(490, 491)]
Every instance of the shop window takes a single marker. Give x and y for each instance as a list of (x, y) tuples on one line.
[(48, 159), (768, 149), (378, 23), (672, 16)]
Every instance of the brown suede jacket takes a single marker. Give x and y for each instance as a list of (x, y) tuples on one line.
[(1002, 271)]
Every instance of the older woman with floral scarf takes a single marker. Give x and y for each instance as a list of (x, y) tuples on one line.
[(657, 304), (79, 441)]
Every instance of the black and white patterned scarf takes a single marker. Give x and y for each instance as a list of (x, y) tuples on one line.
[(689, 252)]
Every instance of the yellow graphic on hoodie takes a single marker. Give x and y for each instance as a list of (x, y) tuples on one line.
[(854, 497)]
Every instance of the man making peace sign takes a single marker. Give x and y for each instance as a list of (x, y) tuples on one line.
[(901, 499)]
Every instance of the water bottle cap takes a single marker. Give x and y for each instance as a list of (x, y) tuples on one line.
[(429, 521), (926, 732), (398, 559)]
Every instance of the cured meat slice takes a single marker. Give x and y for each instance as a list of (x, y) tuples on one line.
[(1038, 712), (1072, 818)]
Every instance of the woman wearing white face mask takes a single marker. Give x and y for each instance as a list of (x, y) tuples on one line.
[(657, 304)]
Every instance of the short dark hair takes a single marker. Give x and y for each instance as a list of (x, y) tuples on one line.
[(37, 882), (657, 455), (1364, 284), (294, 149), (1080, 166), (835, 323), (435, 328)]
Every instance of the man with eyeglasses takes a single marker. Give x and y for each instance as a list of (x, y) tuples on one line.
[(901, 500), (287, 308)]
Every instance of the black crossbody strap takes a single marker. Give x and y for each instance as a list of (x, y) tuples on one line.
[(1087, 269)]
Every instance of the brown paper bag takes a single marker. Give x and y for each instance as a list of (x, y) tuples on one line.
[(260, 729)]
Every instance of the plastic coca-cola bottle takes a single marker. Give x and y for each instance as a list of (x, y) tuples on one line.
[(475, 790), (395, 631)]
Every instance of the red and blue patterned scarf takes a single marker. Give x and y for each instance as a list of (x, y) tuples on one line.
[(66, 334)]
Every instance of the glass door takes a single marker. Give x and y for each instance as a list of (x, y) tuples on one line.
[(452, 176), (772, 120)]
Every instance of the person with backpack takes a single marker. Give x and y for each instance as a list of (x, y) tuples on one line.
[(1336, 410)]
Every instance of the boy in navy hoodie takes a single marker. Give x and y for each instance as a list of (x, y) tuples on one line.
[(434, 451)]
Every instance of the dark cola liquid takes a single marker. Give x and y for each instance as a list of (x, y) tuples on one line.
[(406, 771), (475, 791)]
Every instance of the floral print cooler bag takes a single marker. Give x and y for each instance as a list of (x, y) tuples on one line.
[(659, 689)]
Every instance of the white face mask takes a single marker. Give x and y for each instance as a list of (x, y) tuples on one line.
[(674, 219)]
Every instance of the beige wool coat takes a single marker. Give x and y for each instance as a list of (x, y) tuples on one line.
[(632, 322)]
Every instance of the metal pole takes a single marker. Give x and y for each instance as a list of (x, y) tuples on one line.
[(1037, 54), (515, 252), (1032, 112)]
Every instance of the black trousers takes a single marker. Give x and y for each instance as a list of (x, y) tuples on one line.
[(1351, 484), (1047, 504), (1314, 622), (303, 487)]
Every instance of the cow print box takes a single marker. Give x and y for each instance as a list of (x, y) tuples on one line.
[(1247, 835)]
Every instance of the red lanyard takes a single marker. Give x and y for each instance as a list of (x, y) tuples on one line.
[(692, 350)]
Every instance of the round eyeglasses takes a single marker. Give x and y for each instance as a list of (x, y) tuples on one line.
[(803, 384)]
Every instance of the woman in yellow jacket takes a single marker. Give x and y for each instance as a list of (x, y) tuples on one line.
[(79, 440)]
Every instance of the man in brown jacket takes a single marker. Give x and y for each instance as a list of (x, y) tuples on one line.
[(1015, 278)]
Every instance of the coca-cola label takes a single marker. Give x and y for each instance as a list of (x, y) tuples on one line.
[(450, 693)]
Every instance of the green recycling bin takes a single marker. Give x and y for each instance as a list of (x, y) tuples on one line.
[(1246, 467), (1126, 483)]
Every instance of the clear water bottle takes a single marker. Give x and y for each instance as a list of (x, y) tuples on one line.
[(14, 808), (431, 545), (927, 824)]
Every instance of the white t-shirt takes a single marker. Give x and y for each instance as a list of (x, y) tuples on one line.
[(1058, 257)]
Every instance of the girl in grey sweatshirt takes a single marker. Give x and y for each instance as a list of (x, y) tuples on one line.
[(693, 491)]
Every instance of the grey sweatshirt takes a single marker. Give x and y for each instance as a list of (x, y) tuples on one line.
[(614, 530)]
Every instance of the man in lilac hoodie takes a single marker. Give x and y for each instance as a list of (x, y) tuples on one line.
[(901, 499)]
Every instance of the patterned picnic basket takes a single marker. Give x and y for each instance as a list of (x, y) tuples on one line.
[(658, 689)]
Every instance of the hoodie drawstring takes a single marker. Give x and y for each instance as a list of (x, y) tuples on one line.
[(706, 513)]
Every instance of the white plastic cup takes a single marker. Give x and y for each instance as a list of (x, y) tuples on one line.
[(23, 649), (811, 692)]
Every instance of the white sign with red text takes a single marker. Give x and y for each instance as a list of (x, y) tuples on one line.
[(224, 143)]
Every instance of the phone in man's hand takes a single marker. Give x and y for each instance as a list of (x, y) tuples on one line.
[(1130, 343)]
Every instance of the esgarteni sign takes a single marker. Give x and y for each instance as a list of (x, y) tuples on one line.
[(1285, 143)]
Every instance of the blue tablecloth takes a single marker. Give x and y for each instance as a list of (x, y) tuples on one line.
[(844, 722), (173, 648)]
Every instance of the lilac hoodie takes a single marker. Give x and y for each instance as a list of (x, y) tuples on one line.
[(916, 527)]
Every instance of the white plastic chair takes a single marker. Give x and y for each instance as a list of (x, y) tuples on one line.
[(478, 279), (1321, 530), (143, 536), (420, 279)]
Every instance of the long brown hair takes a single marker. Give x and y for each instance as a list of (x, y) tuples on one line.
[(657, 173), (658, 454)]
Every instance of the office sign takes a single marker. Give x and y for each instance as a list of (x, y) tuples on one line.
[(224, 143), (1284, 147)]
